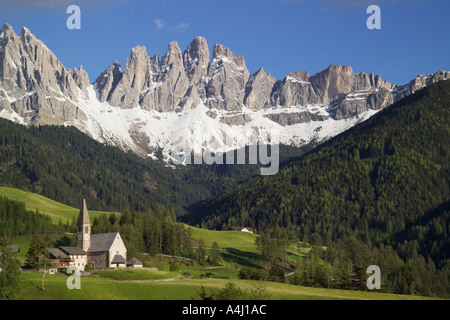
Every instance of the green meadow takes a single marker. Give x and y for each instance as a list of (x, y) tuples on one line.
[(55, 210), (238, 249), (105, 288), (138, 274)]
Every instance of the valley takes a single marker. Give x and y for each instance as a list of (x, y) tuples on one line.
[(165, 284), (189, 152)]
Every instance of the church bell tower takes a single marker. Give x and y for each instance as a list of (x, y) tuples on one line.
[(84, 228)]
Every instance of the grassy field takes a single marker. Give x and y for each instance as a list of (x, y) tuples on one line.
[(237, 249), (138, 274), (53, 209), (226, 239), (100, 288), (24, 244)]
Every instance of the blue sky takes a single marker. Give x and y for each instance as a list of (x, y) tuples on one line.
[(281, 36)]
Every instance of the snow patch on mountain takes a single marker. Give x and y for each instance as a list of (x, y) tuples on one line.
[(146, 132)]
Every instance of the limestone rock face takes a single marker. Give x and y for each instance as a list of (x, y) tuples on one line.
[(228, 77), (135, 79), (258, 90), (421, 81), (146, 82), (35, 88), (180, 81), (289, 119), (172, 83), (295, 90), (34, 84), (335, 82), (196, 61), (108, 81)]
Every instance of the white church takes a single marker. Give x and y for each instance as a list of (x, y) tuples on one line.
[(98, 251)]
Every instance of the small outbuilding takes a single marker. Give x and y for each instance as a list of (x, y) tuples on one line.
[(14, 249), (134, 263)]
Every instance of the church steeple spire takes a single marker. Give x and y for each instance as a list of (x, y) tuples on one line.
[(83, 217), (84, 228)]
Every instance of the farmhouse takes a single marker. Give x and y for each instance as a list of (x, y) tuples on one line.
[(242, 229), (98, 251)]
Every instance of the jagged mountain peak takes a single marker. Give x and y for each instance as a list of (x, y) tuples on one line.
[(154, 102), (220, 52), (172, 55), (26, 32), (298, 75), (138, 51), (197, 52), (6, 28), (198, 47)]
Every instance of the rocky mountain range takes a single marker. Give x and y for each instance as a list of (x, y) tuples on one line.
[(187, 98)]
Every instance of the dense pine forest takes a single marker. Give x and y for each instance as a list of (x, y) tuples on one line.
[(153, 232), (376, 194), (16, 220), (374, 181), (66, 165), (383, 183)]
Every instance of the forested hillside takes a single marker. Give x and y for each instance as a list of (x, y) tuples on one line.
[(16, 220), (66, 165), (383, 181), (108, 179)]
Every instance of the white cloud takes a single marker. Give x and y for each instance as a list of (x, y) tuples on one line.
[(162, 25), (181, 27)]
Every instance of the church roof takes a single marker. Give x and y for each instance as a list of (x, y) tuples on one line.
[(73, 250), (83, 217), (58, 253), (102, 242), (118, 259)]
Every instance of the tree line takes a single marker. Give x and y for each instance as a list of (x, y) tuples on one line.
[(155, 231), (343, 265), (66, 165), (384, 183), (16, 220)]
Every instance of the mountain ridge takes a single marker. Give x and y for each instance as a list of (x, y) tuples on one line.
[(392, 167), (187, 100)]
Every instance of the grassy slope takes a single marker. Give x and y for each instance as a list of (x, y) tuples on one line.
[(238, 249), (95, 288), (226, 239), (53, 209)]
